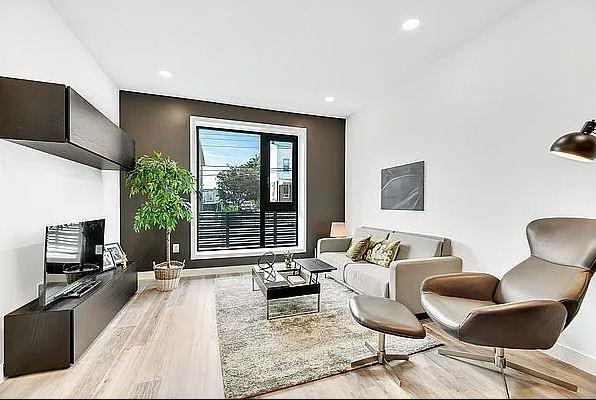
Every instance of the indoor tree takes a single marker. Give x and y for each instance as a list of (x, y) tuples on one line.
[(165, 185)]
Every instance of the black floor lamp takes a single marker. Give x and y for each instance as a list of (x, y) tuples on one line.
[(580, 146)]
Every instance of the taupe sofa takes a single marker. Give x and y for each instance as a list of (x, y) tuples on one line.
[(418, 257)]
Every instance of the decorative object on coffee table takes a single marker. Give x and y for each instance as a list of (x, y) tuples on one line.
[(265, 263), (164, 184), (288, 258), (296, 280)]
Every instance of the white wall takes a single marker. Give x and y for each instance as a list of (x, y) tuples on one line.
[(37, 189), (483, 118)]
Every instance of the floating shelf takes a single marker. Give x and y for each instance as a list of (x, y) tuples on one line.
[(55, 119)]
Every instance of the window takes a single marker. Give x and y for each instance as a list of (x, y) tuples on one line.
[(281, 177), (251, 183)]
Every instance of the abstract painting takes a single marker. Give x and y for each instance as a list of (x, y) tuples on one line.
[(402, 187)]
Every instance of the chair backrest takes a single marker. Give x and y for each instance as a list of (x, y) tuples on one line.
[(561, 264)]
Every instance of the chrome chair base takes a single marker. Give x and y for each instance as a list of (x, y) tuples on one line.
[(500, 361), (380, 357)]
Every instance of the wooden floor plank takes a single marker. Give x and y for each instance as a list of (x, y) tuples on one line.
[(166, 345)]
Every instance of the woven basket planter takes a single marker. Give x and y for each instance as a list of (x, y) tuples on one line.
[(168, 275)]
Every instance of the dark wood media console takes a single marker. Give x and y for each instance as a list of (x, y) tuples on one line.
[(41, 339)]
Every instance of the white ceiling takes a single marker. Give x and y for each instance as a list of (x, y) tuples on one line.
[(277, 54)]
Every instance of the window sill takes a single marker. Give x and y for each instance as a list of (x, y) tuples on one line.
[(211, 254)]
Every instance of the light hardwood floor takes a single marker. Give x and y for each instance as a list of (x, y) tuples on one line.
[(165, 345)]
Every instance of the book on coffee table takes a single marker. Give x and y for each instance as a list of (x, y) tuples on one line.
[(296, 280)]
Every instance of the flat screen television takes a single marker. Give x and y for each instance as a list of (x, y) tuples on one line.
[(73, 255)]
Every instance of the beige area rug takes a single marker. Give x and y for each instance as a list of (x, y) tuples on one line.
[(259, 356)]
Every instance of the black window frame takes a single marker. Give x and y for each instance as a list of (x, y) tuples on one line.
[(266, 206), (266, 139)]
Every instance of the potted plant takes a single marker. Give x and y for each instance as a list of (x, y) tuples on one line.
[(288, 258), (164, 184)]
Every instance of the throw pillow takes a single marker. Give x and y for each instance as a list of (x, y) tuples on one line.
[(381, 252), (358, 248), (371, 245)]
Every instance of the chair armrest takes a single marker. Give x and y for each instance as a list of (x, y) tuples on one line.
[(530, 325), (469, 285), (406, 277), (333, 244)]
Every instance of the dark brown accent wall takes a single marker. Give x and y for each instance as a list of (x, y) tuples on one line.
[(162, 123)]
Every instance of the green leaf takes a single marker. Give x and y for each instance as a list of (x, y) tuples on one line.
[(162, 183)]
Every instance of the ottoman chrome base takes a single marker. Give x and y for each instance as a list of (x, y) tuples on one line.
[(385, 317), (380, 357)]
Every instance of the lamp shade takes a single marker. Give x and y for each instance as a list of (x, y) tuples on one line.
[(338, 229), (580, 146)]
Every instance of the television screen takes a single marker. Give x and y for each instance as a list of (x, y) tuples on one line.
[(73, 253)]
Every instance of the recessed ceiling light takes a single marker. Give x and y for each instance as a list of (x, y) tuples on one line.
[(410, 24), (329, 99), (165, 74)]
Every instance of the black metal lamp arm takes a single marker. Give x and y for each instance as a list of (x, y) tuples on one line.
[(589, 127)]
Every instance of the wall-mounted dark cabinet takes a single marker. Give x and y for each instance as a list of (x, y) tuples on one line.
[(55, 119)]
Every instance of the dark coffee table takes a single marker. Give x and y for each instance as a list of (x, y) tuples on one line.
[(314, 266), (278, 286)]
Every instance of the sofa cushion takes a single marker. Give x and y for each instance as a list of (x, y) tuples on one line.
[(416, 246), (375, 233), (367, 278), (338, 260)]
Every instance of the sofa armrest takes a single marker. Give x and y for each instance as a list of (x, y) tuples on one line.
[(406, 277), (333, 244), (469, 285), (530, 325)]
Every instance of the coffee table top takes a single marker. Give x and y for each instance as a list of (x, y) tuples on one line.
[(314, 265), (277, 280)]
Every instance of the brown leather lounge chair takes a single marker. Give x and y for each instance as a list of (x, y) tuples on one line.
[(530, 306)]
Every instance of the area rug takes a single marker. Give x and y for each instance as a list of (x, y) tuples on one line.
[(260, 355)]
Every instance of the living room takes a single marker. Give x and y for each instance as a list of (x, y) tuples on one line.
[(207, 199)]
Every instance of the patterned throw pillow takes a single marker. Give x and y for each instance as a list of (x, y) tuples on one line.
[(358, 248), (381, 252)]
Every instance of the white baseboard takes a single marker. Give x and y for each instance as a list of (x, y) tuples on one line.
[(202, 271), (573, 357)]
